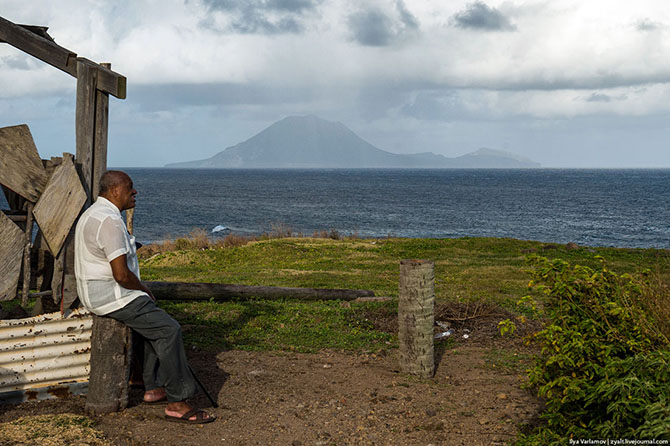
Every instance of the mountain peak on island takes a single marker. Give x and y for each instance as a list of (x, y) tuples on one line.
[(312, 142)]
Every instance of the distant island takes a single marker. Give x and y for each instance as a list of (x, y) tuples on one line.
[(312, 142)]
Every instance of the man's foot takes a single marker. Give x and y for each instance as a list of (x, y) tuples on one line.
[(155, 396), (183, 413)]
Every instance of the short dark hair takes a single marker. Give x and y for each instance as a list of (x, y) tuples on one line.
[(110, 179)]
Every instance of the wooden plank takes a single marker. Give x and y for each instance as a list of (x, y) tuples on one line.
[(16, 202), (59, 205), (108, 81), (100, 139), (11, 253), (35, 41), (224, 292), (85, 123), (21, 168), (27, 240), (38, 46)]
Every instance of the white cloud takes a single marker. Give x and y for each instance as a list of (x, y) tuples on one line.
[(562, 59)]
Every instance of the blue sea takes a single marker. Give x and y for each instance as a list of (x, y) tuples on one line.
[(623, 208)]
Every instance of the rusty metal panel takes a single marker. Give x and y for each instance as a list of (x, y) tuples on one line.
[(44, 356)]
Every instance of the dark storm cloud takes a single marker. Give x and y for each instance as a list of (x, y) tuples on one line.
[(599, 97), (264, 16), (406, 17), (371, 27), (17, 62), (253, 23), (437, 105), (153, 97), (478, 15), (267, 5), (647, 25), (375, 27)]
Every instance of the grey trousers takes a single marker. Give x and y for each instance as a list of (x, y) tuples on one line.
[(164, 356)]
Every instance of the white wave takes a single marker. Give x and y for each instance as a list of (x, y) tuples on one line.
[(220, 228)]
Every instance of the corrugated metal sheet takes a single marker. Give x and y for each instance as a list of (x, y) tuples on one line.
[(44, 356)]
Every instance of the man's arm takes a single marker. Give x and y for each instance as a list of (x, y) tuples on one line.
[(126, 278)]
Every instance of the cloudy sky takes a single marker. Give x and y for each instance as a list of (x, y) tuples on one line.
[(567, 83)]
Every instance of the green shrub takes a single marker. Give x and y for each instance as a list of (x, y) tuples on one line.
[(604, 368)]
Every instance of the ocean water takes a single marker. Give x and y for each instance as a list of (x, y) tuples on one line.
[(624, 208)]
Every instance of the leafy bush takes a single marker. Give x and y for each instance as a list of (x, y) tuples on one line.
[(604, 367)]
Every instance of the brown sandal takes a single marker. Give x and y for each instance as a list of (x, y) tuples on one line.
[(199, 417)]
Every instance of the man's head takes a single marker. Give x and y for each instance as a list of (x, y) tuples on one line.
[(117, 187)]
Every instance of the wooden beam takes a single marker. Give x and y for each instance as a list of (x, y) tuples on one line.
[(224, 292), (38, 46), (108, 81), (100, 138), (85, 123), (35, 41)]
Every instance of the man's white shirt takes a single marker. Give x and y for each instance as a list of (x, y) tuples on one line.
[(100, 237)]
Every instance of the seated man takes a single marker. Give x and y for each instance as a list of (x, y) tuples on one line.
[(108, 284)]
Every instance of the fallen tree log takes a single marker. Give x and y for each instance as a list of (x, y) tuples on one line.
[(224, 292)]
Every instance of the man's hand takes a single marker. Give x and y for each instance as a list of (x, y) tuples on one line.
[(126, 278)]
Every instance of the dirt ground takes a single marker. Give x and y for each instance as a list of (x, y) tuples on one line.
[(339, 398)]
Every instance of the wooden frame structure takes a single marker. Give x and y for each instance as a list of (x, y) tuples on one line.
[(95, 82)]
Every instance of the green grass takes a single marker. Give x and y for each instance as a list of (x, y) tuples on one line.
[(282, 325), (466, 269)]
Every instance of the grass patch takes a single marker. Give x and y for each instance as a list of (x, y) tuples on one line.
[(466, 269), (283, 325), (470, 271)]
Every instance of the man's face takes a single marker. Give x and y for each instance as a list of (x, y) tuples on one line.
[(126, 194)]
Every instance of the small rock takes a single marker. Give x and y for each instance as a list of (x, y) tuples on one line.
[(572, 245), (502, 396), (431, 412), (327, 366), (483, 421)]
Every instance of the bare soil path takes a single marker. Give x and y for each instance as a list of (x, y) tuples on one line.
[(337, 398)]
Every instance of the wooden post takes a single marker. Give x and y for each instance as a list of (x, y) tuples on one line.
[(416, 317), (110, 366), (130, 217), (100, 140), (26, 254), (85, 123), (110, 339)]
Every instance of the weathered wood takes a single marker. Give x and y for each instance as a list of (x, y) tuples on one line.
[(110, 366), (11, 253), (130, 220), (15, 201), (109, 81), (38, 46), (100, 139), (21, 168), (35, 41), (57, 278), (85, 124), (416, 301), (223, 292), (28, 238), (59, 205)]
